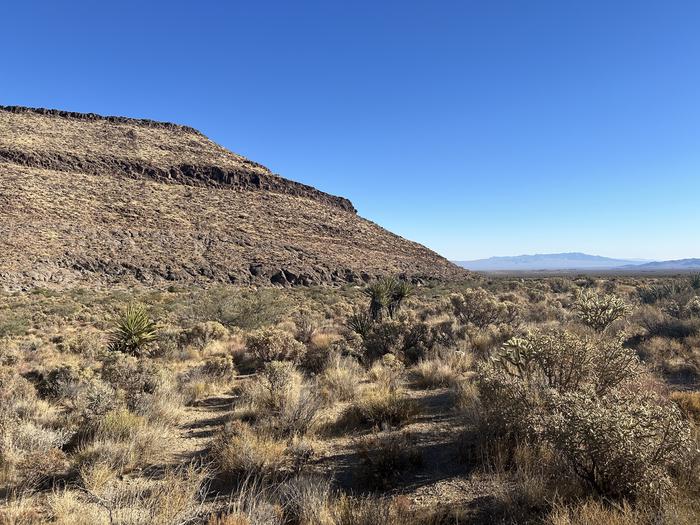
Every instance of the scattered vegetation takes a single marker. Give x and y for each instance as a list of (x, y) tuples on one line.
[(549, 400)]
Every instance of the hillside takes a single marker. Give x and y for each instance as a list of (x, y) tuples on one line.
[(86, 198), (548, 261)]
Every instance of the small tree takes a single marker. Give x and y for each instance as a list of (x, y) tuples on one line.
[(134, 331)]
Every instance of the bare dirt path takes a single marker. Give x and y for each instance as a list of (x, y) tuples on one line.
[(442, 480)]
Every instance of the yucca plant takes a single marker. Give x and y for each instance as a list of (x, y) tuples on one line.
[(398, 292), (133, 332), (378, 293), (361, 323), (386, 296), (695, 281)]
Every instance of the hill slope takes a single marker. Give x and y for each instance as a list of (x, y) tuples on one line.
[(548, 261), (85, 198)]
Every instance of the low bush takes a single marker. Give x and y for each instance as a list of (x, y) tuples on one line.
[(270, 344), (478, 307), (280, 401), (580, 396), (242, 452)]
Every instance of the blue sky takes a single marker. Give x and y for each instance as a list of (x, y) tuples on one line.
[(477, 128)]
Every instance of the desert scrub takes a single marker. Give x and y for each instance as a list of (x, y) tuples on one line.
[(340, 379), (132, 377), (382, 407), (584, 399), (598, 311), (203, 333), (478, 307), (241, 452), (622, 445), (134, 331), (63, 382), (271, 344), (280, 401), (384, 459)]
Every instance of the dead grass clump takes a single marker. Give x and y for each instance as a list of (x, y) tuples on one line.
[(241, 452), (594, 512), (689, 403), (125, 441), (214, 374), (340, 379), (445, 369), (280, 401), (174, 498), (382, 407)]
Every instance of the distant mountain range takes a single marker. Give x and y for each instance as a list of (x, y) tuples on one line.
[(679, 264), (572, 261)]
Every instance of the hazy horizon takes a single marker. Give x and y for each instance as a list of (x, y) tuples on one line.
[(473, 128)]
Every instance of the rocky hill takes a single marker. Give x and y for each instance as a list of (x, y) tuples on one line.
[(86, 198)]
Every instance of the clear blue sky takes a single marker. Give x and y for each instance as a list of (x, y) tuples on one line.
[(475, 127)]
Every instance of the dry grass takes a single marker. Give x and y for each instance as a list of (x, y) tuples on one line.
[(382, 407), (444, 370), (102, 438)]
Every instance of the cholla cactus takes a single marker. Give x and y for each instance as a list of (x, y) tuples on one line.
[(692, 307), (599, 311), (578, 395), (622, 445)]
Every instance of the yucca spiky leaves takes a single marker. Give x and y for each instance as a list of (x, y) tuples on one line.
[(133, 332)]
